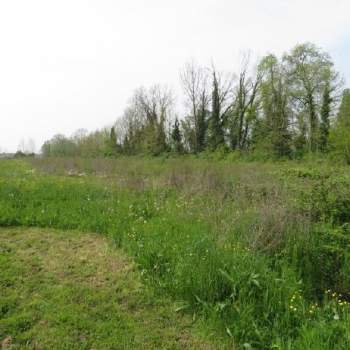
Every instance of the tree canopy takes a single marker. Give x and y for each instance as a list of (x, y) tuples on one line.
[(280, 107)]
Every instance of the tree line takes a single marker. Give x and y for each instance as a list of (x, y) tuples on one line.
[(280, 108)]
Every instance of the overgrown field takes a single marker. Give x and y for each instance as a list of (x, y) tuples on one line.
[(259, 251)]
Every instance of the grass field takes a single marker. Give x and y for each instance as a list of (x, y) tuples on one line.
[(256, 255), (67, 290)]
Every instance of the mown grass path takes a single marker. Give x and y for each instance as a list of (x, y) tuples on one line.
[(66, 290)]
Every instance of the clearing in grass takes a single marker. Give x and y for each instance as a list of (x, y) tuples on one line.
[(66, 290)]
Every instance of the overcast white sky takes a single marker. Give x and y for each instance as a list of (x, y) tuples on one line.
[(69, 64)]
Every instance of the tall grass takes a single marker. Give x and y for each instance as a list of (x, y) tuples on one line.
[(252, 248)]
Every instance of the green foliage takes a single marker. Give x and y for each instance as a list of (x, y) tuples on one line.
[(340, 139), (60, 146), (309, 69), (275, 133), (284, 108), (112, 146), (215, 126), (95, 144), (176, 138), (249, 251), (323, 259), (325, 118), (328, 200)]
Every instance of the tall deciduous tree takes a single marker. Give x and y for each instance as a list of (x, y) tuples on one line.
[(274, 96), (244, 108), (195, 85), (309, 69), (145, 120)]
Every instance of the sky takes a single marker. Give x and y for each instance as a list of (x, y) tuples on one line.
[(70, 64)]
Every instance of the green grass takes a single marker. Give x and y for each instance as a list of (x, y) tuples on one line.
[(67, 290), (248, 249)]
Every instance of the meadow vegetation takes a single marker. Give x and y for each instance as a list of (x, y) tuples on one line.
[(259, 252), (67, 290)]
